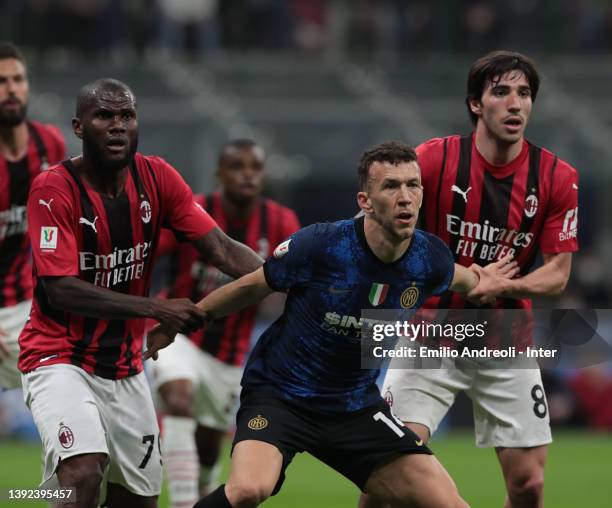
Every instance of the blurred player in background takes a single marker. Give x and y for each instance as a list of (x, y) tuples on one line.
[(26, 148), (95, 222), (198, 378), (303, 386), (488, 195)]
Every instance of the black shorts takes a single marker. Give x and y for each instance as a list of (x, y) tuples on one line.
[(354, 444)]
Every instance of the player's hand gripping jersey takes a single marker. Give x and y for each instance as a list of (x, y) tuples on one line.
[(76, 231), (312, 354)]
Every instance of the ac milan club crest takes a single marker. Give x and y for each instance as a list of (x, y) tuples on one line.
[(531, 205), (65, 436), (145, 211)]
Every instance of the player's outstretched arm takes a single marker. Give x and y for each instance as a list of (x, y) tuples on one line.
[(232, 297), (548, 280), (229, 256), (489, 281), (71, 294)]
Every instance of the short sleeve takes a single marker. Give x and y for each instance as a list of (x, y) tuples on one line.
[(292, 262), (52, 231), (560, 229), (183, 215)]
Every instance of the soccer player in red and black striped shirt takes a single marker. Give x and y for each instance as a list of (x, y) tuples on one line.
[(487, 195), (26, 148), (199, 377), (95, 222)]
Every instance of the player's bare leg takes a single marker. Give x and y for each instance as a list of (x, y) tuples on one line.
[(254, 472), (414, 481), (179, 448), (523, 470), (84, 473), (118, 496), (208, 443), (367, 501)]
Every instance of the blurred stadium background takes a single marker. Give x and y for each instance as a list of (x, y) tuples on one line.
[(316, 82)]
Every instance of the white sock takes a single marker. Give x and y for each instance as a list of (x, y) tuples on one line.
[(180, 460), (209, 478)]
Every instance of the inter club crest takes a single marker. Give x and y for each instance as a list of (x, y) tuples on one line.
[(65, 436), (531, 205)]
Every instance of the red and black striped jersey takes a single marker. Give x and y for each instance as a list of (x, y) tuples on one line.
[(45, 146), (269, 224), (109, 242), (484, 212)]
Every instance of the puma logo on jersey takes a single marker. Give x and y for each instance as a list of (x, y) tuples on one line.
[(83, 220), (464, 194), (419, 442), (44, 203), (574, 186)]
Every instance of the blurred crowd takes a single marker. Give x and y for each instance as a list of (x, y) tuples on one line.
[(194, 26)]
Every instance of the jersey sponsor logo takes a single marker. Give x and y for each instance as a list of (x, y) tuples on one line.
[(65, 436), (378, 293), (463, 194), (46, 204), (92, 225), (13, 221), (409, 297), (282, 249), (257, 423), (48, 237), (494, 242), (570, 225), (121, 265), (531, 205), (345, 324), (145, 211)]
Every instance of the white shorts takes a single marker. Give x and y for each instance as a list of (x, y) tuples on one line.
[(216, 385), (12, 320), (509, 405), (76, 413)]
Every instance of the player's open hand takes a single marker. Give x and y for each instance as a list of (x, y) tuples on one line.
[(158, 338), (179, 314), (493, 280)]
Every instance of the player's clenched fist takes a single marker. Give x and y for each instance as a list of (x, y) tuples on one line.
[(179, 315)]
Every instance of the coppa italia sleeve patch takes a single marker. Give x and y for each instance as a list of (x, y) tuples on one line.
[(282, 249), (48, 237)]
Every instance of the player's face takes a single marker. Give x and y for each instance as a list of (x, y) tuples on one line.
[(109, 130), (504, 107), (241, 173), (14, 91), (394, 197)]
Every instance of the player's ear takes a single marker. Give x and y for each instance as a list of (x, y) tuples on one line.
[(364, 201), (476, 106), (77, 127)]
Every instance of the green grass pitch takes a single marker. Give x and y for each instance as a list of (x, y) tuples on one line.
[(578, 474)]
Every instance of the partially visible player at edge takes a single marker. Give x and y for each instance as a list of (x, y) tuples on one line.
[(198, 378), (487, 195), (26, 148), (95, 221), (303, 386)]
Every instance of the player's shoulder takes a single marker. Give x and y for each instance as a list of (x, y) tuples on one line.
[(155, 162), (49, 131), (55, 176), (430, 242), (276, 208), (561, 167), (435, 145)]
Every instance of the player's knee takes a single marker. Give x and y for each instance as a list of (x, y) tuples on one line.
[(83, 472), (247, 494), (528, 485)]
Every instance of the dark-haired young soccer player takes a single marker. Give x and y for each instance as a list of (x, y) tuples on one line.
[(303, 386), (95, 221), (26, 148), (487, 195), (198, 378)]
